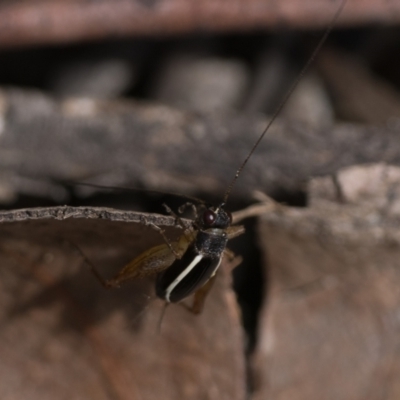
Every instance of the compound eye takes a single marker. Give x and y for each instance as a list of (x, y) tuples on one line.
[(209, 217)]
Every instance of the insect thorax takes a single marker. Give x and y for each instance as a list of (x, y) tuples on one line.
[(211, 242)]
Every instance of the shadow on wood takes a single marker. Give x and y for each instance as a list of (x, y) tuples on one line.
[(63, 335)]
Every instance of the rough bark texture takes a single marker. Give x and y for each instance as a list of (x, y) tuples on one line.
[(51, 21), (64, 336), (165, 148), (330, 328)]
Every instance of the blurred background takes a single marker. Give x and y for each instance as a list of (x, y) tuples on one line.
[(170, 95)]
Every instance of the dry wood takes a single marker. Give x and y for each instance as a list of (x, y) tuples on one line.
[(165, 148), (56, 21), (330, 327), (64, 336)]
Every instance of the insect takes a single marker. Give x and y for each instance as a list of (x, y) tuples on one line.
[(190, 264)]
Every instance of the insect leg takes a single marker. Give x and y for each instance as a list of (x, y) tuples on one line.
[(230, 255), (234, 231), (152, 261), (162, 233), (188, 233), (232, 259), (183, 207), (200, 296), (148, 263), (104, 282)]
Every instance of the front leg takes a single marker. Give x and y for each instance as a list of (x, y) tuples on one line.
[(235, 231)]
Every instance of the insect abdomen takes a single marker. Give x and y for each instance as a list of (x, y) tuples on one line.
[(186, 275)]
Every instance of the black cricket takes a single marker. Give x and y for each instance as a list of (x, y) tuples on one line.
[(189, 266)]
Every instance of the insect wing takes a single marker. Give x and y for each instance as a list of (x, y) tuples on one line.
[(186, 275)]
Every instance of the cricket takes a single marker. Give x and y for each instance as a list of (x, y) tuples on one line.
[(190, 265)]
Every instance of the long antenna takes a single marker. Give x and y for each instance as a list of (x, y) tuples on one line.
[(131, 189), (286, 98)]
